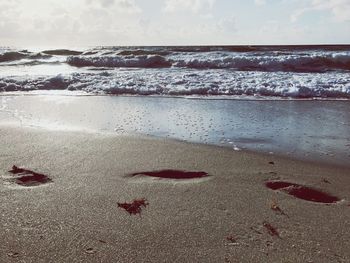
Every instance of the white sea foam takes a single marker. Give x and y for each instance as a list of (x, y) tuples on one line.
[(190, 82), (300, 72)]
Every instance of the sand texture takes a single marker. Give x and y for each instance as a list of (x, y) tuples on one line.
[(88, 197)]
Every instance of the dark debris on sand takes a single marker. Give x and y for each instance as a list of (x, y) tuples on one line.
[(325, 181), (271, 229), (231, 239), (27, 177), (275, 207), (13, 254), (135, 207)]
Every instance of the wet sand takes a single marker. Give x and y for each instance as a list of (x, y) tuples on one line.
[(301, 129), (111, 198)]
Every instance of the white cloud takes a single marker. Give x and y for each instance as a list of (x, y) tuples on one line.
[(190, 5), (107, 3), (297, 14), (9, 14), (155, 22), (260, 2), (68, 22), (129, 6), (228, 25), (271, 27), (340, 9)]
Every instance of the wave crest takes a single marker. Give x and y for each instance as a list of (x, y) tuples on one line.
[(246, 62), (187, 83), (150, 61), (290, 63), (62, 52), (12, 56)]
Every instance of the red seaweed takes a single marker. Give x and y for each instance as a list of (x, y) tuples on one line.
[(271, 229), (135, 207), (29, 178)]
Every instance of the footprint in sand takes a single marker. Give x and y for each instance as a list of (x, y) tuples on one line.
[(25, 177), (172, 174), (302, 192)]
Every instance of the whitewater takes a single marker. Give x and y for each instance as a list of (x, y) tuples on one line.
[(206, 71)]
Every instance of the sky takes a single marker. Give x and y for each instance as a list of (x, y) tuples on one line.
[(83, 23)]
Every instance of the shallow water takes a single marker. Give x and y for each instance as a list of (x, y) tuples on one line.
[(310, 130)]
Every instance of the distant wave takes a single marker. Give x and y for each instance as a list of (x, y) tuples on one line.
[(266, 62), (237, 58), (289, 63), (187, 82), (12, 55), (230, 48), (150, 61), (62, 52), (259, 48), (140, 52)]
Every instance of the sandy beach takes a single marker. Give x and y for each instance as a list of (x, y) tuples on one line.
[(228, 216), (174, 131)]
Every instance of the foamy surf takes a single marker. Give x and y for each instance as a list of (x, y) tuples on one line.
[(281, 71)]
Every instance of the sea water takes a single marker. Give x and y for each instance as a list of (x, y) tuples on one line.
[(288, 100), (268, 71)]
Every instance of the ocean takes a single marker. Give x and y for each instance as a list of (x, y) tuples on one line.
[(253, 71), (288, 100)]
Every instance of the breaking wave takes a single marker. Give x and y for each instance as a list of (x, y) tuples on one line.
[(280, 71), (319, 62), (150, 61), (12, 55), (289, 63), (187, 83), (238, 58)]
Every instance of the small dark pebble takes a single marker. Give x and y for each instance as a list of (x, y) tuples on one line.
[(231, 238), (13, 254), (90, 250)]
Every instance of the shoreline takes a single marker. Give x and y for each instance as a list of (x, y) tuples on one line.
[(297, 129), (190, 97), (150, 137)]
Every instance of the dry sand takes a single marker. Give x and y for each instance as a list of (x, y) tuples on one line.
[(229, 216)]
